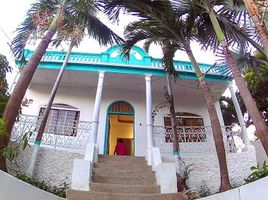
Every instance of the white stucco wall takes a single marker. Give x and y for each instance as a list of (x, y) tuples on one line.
[(52, 166), (83, 99), (260, 152), (206, 168)]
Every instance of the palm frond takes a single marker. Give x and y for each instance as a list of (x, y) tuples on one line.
[(169, 51), (244, 60)]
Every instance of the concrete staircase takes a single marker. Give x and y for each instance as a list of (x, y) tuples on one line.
[(122, 178)]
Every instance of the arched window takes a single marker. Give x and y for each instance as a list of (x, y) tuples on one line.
[(120, 107), (185, 119), (62, 119), (191, 128)]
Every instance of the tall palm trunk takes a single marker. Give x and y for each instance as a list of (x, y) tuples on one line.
[(52, 95), (261, 127), (48, 108), (14, 102), (215, 123), (174, 120), (254, 13)]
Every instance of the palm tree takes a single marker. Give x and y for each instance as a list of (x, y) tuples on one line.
[(75, 34), (44, 19), (159, 24), (254, 12), (174, 121), (216, 30)]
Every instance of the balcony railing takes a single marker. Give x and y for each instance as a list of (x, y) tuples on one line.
[(104, 58), (58, 134), (197, 139)]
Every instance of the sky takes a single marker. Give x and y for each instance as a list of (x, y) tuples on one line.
[(12, 13)]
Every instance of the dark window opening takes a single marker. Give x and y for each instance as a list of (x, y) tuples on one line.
[(190, 128)]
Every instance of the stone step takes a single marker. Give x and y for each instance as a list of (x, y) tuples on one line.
[(125, 189), (121, 161), (123, 173), (124, 180), (115, 157), (131, 167), (83, 195)]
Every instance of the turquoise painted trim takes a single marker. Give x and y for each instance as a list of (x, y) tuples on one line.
[(120, 113), (175, 153), (131, 70), (111, 61), (108, 114), (37, 142)]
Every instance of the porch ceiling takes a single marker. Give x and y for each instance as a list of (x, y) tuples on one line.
[(114, 81)]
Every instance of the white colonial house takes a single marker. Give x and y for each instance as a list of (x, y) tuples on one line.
[(103, 98)]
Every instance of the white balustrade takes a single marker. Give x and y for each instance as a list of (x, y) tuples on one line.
[(196, 139), (58, 134)]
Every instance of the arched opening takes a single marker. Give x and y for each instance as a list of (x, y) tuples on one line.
[(120, 126)]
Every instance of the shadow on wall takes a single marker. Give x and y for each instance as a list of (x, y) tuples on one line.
[(260, 153)]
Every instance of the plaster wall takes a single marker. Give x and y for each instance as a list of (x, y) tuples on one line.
[(206, 168), (52, 166), (260, 152), (83, 99)]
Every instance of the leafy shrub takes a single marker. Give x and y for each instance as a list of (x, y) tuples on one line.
[(12, 151), (257, 172), (204, 190), (183, 176), (59, 191)]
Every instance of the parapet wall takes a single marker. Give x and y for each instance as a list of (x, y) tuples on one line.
[(206, 168), (52, 165)]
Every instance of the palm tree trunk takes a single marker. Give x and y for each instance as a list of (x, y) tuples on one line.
[(48, 108), (215, 123), (13, 106), (261, 127), (174, 120), (53, 94), (253, 12)]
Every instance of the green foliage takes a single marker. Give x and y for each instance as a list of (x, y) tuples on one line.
[(3, 102), (4, 69), (59, 191), (257, 82), (183, 175), (258, 172), (204, 190), (228, 110), (10, 153), (13, 150), (2, 127)]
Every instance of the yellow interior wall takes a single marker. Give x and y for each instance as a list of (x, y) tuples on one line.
[(119, 130)]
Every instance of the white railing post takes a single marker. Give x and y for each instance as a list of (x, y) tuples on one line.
[(149, 119), (240, 116)]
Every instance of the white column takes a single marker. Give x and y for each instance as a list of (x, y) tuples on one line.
[(96, 111), (239, 115), (149, 119)]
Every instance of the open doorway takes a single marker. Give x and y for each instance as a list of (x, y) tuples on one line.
[(120, 126)]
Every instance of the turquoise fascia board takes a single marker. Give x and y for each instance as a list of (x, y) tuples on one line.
[(111, 61), (128, 70)]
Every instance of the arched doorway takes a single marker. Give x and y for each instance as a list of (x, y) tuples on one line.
[(119, 125)]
